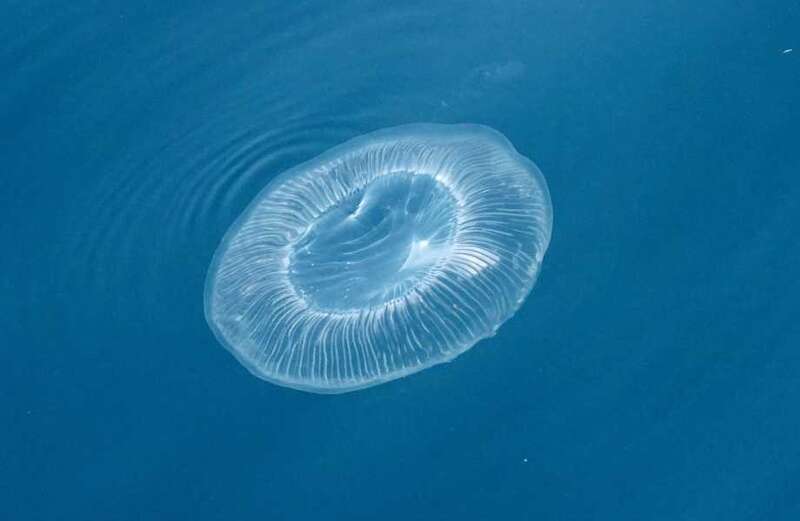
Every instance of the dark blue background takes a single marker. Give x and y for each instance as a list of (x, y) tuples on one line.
[(654, 372)]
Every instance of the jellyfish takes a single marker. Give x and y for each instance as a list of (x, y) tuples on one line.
[(386, 255)]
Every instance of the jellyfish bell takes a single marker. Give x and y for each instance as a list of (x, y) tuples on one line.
[(391, 253)]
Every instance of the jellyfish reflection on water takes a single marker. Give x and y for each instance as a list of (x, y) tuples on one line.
[(393, 252)]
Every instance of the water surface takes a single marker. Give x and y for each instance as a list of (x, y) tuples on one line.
[(652, 375)]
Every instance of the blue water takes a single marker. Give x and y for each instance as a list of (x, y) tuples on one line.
[(653, 374)]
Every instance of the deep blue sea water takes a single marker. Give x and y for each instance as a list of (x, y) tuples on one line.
[(653, 374)]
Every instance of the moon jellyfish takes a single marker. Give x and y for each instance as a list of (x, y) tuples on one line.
[(386, 255)]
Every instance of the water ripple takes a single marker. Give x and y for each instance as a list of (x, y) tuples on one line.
[(169, 137)]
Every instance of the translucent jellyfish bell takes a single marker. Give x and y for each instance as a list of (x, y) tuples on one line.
[(393, 252)]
